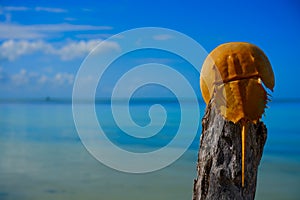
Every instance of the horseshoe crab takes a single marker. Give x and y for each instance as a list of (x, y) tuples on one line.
[(234, 74)]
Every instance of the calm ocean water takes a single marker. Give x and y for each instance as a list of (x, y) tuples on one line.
[(42, 157)]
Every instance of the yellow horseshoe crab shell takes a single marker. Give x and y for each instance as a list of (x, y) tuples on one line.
[(234, 73)]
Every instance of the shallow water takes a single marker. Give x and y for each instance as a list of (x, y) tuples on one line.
[(42, 157)]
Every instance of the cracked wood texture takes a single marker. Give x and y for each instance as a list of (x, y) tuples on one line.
[(219, 165)]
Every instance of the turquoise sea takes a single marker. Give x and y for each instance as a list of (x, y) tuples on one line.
[(42, 157)]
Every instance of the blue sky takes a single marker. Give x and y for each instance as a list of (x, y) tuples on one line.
[(42, 43)]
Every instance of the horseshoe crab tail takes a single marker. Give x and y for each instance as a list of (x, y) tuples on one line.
[(244, 132)]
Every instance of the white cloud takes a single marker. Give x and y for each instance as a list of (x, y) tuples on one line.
[(13, 31), (47, 70), (38, 31), (63, 79), (24, 78), (47, 9), (7, 10), (42, 79), (38, 9), (21, 78), (94, 36), (75, 49), (12, 49), (162, 37), (78, 49), (14, 8), (70, 19)]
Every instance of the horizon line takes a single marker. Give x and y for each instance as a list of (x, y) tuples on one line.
[(108, 100)]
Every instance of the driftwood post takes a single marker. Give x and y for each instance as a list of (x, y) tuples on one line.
[(233, 137), (219, 158)]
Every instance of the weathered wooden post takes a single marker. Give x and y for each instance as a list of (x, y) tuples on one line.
[(233, 136)]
